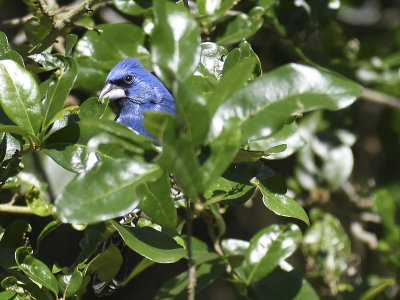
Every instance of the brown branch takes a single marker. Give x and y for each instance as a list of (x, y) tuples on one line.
[(63, 24), (381, 98), (192, 265)]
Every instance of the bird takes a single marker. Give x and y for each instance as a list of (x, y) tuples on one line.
[(135, 90)]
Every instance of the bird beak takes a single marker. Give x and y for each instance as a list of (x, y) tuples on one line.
[(112, 92)]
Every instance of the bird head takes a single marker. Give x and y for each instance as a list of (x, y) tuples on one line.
[(136, 90)]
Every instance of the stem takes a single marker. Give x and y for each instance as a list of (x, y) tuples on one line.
[(381, 98), (13, 162), (192, 266), (15, 209), (61, 25)]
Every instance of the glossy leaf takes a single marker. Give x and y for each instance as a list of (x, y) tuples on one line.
[(58, 89), (7, 53), (178, 156), (223, 150), (212, 60), (194, 113), (19, 98), (243, 52), (11, 240), (282, 284), (231, 192), (288, 135), (70, 42), (36, 269), (92, 238), (175, 43), (268, 248), (206, 274), (97, 54), (92, 108), (211, 11), (109, 190), (70, 284), (289, 89), (236, 247), (273, 189), (131, 7), (37, 28), (231, 81), (150, 243), (157, 203), (107, 263), (50, 227), (326, 246), (241, 27), (78, 146)]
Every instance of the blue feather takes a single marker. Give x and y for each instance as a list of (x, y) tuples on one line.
[(136, 90)]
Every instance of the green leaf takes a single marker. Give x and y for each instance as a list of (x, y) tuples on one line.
[(263, 106), (131, 7), (109, 190), (269, 247), (150, 243), (50, 227), (282, 284), (326, 246), (78, 146), (37, 28), (107, 263), (231, 192), (70, 284), (92, 238), (243, 52), (288, 135), (5, 295), (70, 42), (19, 98), (241, 27), (157, 203), (92, 108), (210, 11), (206, 274), (98, 53), (212, 60), (273, 189), (236, 247), (35, 269), (59, 87), (20, 131), (223, 150), (11, 240), (378, 288), (178, 155), (194, 113), (231, 81), (7, 53), (175, 41)]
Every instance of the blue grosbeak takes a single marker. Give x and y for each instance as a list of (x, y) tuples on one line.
[(135, 90)]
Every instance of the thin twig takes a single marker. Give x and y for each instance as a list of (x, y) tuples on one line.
[(62, 24), (15, 209), (12, 163), (381, 98), (192, 265)]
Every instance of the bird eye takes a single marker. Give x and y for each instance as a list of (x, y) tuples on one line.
[(128, 79)]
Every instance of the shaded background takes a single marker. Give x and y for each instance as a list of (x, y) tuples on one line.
[(360, 40)]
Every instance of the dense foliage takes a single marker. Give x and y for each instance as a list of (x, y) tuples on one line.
[(271, 182)]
